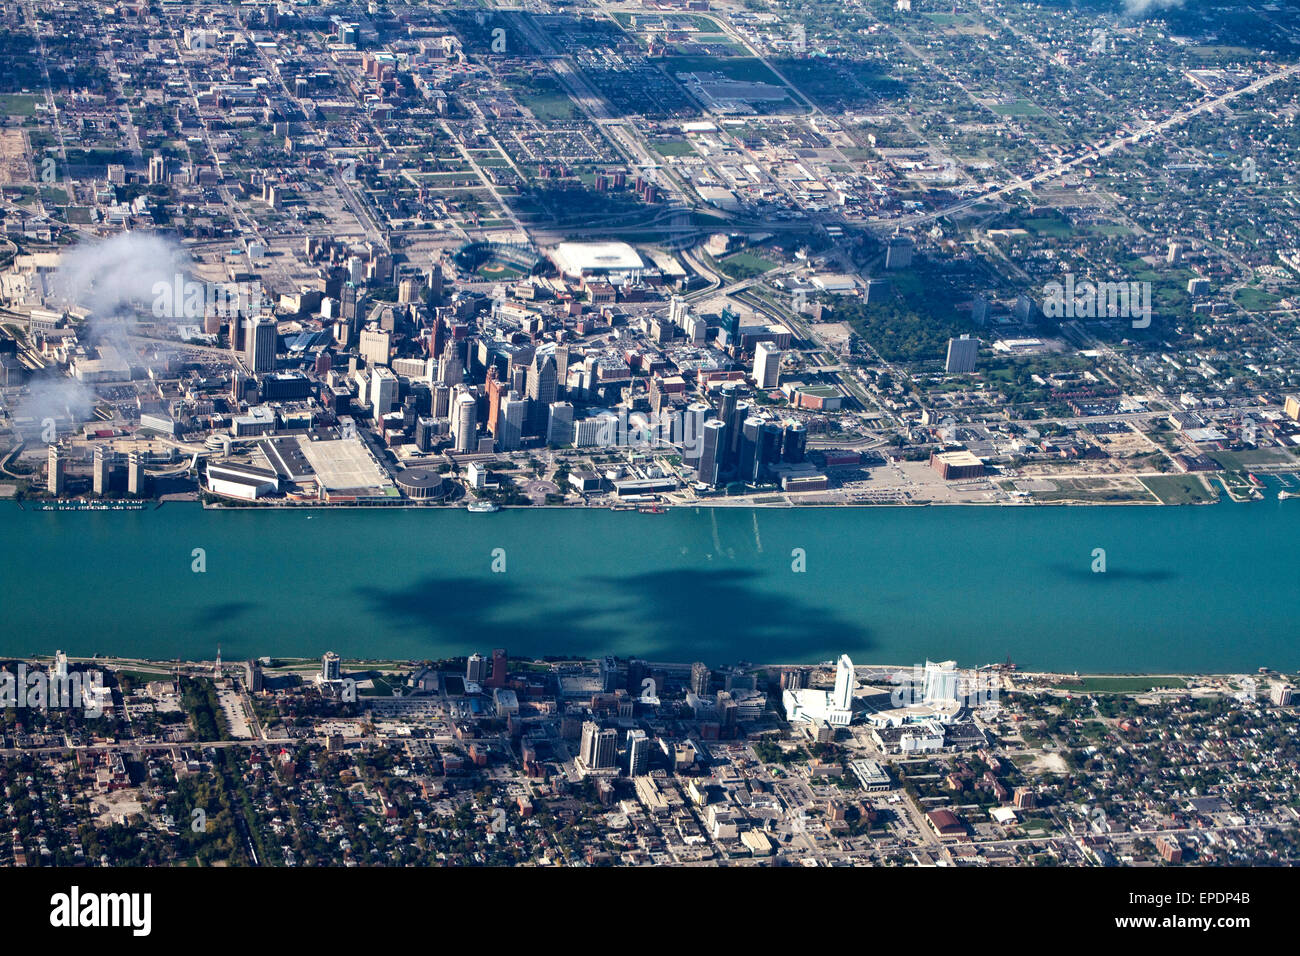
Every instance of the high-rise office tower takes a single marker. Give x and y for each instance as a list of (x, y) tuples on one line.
[(135, 476), (437, 338), (794, 443), (898, 254), (712, 445), (962, 353), (331, 667), (465, 422), (541, 391), (424, 434), (747, 459), (736, 429), (609, 673), (55, 481), (700, 677), (767, 365), (769, 448), (408, 291), (940, 682), (261, 345), (476, 669), (510, 422), (500, 665), (638, 753), (677, 310), (496, 390), (441, 401), (599, 747), (844, 684), (692, 437), (451, 370), (383, 391), (559, 424), (100, 475), (374, 345), (350, 308), (729, 327), (727, 412), (563, 356)]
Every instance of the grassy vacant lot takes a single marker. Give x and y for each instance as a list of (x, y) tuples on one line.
[(18, 104), (1179, 489), (1049, 226), (1093, 490), (745, 265), (550, 107), (673, 147), (1118, 685), (1018, 108), (1246, 460), (1256, 300)]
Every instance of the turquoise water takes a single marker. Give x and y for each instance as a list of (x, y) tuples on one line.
[(1186, 589)]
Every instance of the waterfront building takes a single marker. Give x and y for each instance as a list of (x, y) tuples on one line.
[(56, 480), (331, 668), (712, 445), (476, 669), (805, 705), (100, 473)]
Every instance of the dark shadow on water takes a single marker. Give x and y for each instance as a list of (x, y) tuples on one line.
[(469, 612), (215, 615), (1155, 576), (729, 614), (674, 615)]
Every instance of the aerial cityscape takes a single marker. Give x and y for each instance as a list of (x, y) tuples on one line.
[(363, 340), (497, 760)]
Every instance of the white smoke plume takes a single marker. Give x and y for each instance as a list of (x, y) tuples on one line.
[(113, 280), (115, 277), (52, 396), (1140, 8)]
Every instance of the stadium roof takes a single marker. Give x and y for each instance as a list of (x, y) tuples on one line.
[(580, 258)]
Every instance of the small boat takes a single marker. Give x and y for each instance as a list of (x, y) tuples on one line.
[(1284, 495), (483, 507), (652, 510)]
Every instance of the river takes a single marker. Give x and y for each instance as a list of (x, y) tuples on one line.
[(1184, 588)]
